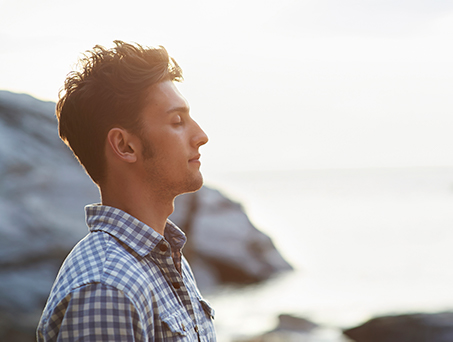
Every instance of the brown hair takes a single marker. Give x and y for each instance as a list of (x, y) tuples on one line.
[(108, 92)]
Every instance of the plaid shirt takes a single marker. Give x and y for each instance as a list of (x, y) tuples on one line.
[(126, 282)]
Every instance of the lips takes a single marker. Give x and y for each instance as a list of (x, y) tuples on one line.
[(195, 159)]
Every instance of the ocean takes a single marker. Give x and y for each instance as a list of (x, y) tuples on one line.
[(363, 242)]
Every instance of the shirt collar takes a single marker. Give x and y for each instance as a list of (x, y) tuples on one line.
[(134, 233), (175, 236)]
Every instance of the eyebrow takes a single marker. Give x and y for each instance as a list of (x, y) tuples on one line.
[(183, 109)]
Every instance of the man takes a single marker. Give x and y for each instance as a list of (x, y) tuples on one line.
[(130, 128)]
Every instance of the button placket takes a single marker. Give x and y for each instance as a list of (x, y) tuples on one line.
[(176, 280)]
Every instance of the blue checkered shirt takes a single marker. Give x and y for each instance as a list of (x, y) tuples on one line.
[(126, 282)]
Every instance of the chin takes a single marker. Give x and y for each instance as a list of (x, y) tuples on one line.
[(194, 185)]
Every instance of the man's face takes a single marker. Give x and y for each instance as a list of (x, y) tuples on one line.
[(170, 141)]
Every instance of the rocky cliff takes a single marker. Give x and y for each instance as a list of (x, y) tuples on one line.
[(42, 194)]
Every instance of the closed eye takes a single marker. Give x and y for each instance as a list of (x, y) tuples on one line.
[(177, 120)]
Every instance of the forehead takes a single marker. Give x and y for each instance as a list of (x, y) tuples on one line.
[(164, 97)]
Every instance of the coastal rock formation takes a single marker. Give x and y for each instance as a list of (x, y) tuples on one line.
[(42, 194), (420, 327), (224, 247)]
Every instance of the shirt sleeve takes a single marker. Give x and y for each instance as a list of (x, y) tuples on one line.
[(95, 312)]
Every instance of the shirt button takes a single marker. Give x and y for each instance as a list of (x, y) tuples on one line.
[(196, 328), (183, 327), (163, 247), (176, 285)]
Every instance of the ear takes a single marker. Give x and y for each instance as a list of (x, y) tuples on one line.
[(122, 144)]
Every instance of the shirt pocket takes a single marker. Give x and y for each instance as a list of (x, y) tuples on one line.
[(177, 322), (205, 315), (207, 308)]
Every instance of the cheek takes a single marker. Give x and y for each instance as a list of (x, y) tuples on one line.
[(175, 141), (170, 143)]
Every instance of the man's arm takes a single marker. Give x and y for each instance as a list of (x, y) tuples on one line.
[(94, 312)]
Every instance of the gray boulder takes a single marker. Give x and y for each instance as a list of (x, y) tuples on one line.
[(42, 194), (224, 247), (419, 327)]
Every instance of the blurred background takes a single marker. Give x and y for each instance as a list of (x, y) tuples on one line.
[(329, 121)]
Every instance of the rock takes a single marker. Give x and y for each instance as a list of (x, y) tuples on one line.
[(42, 194), (418, 327), (290, 322), (223, 240)]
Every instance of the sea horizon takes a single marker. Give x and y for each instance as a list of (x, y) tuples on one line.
[(363, 243)]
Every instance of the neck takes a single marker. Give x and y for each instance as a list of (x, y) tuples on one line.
[(148, 207)]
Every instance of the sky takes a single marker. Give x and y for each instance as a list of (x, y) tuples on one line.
[(276, 85)]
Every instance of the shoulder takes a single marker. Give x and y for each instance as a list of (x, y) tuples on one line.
[(96, 310), (98, 259), (99, 270)]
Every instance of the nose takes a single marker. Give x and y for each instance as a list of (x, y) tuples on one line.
[(199, 137)]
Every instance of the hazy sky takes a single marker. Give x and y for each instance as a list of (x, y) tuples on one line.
[(276, 85)]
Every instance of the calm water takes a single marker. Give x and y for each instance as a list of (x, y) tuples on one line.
[(363, 242)]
